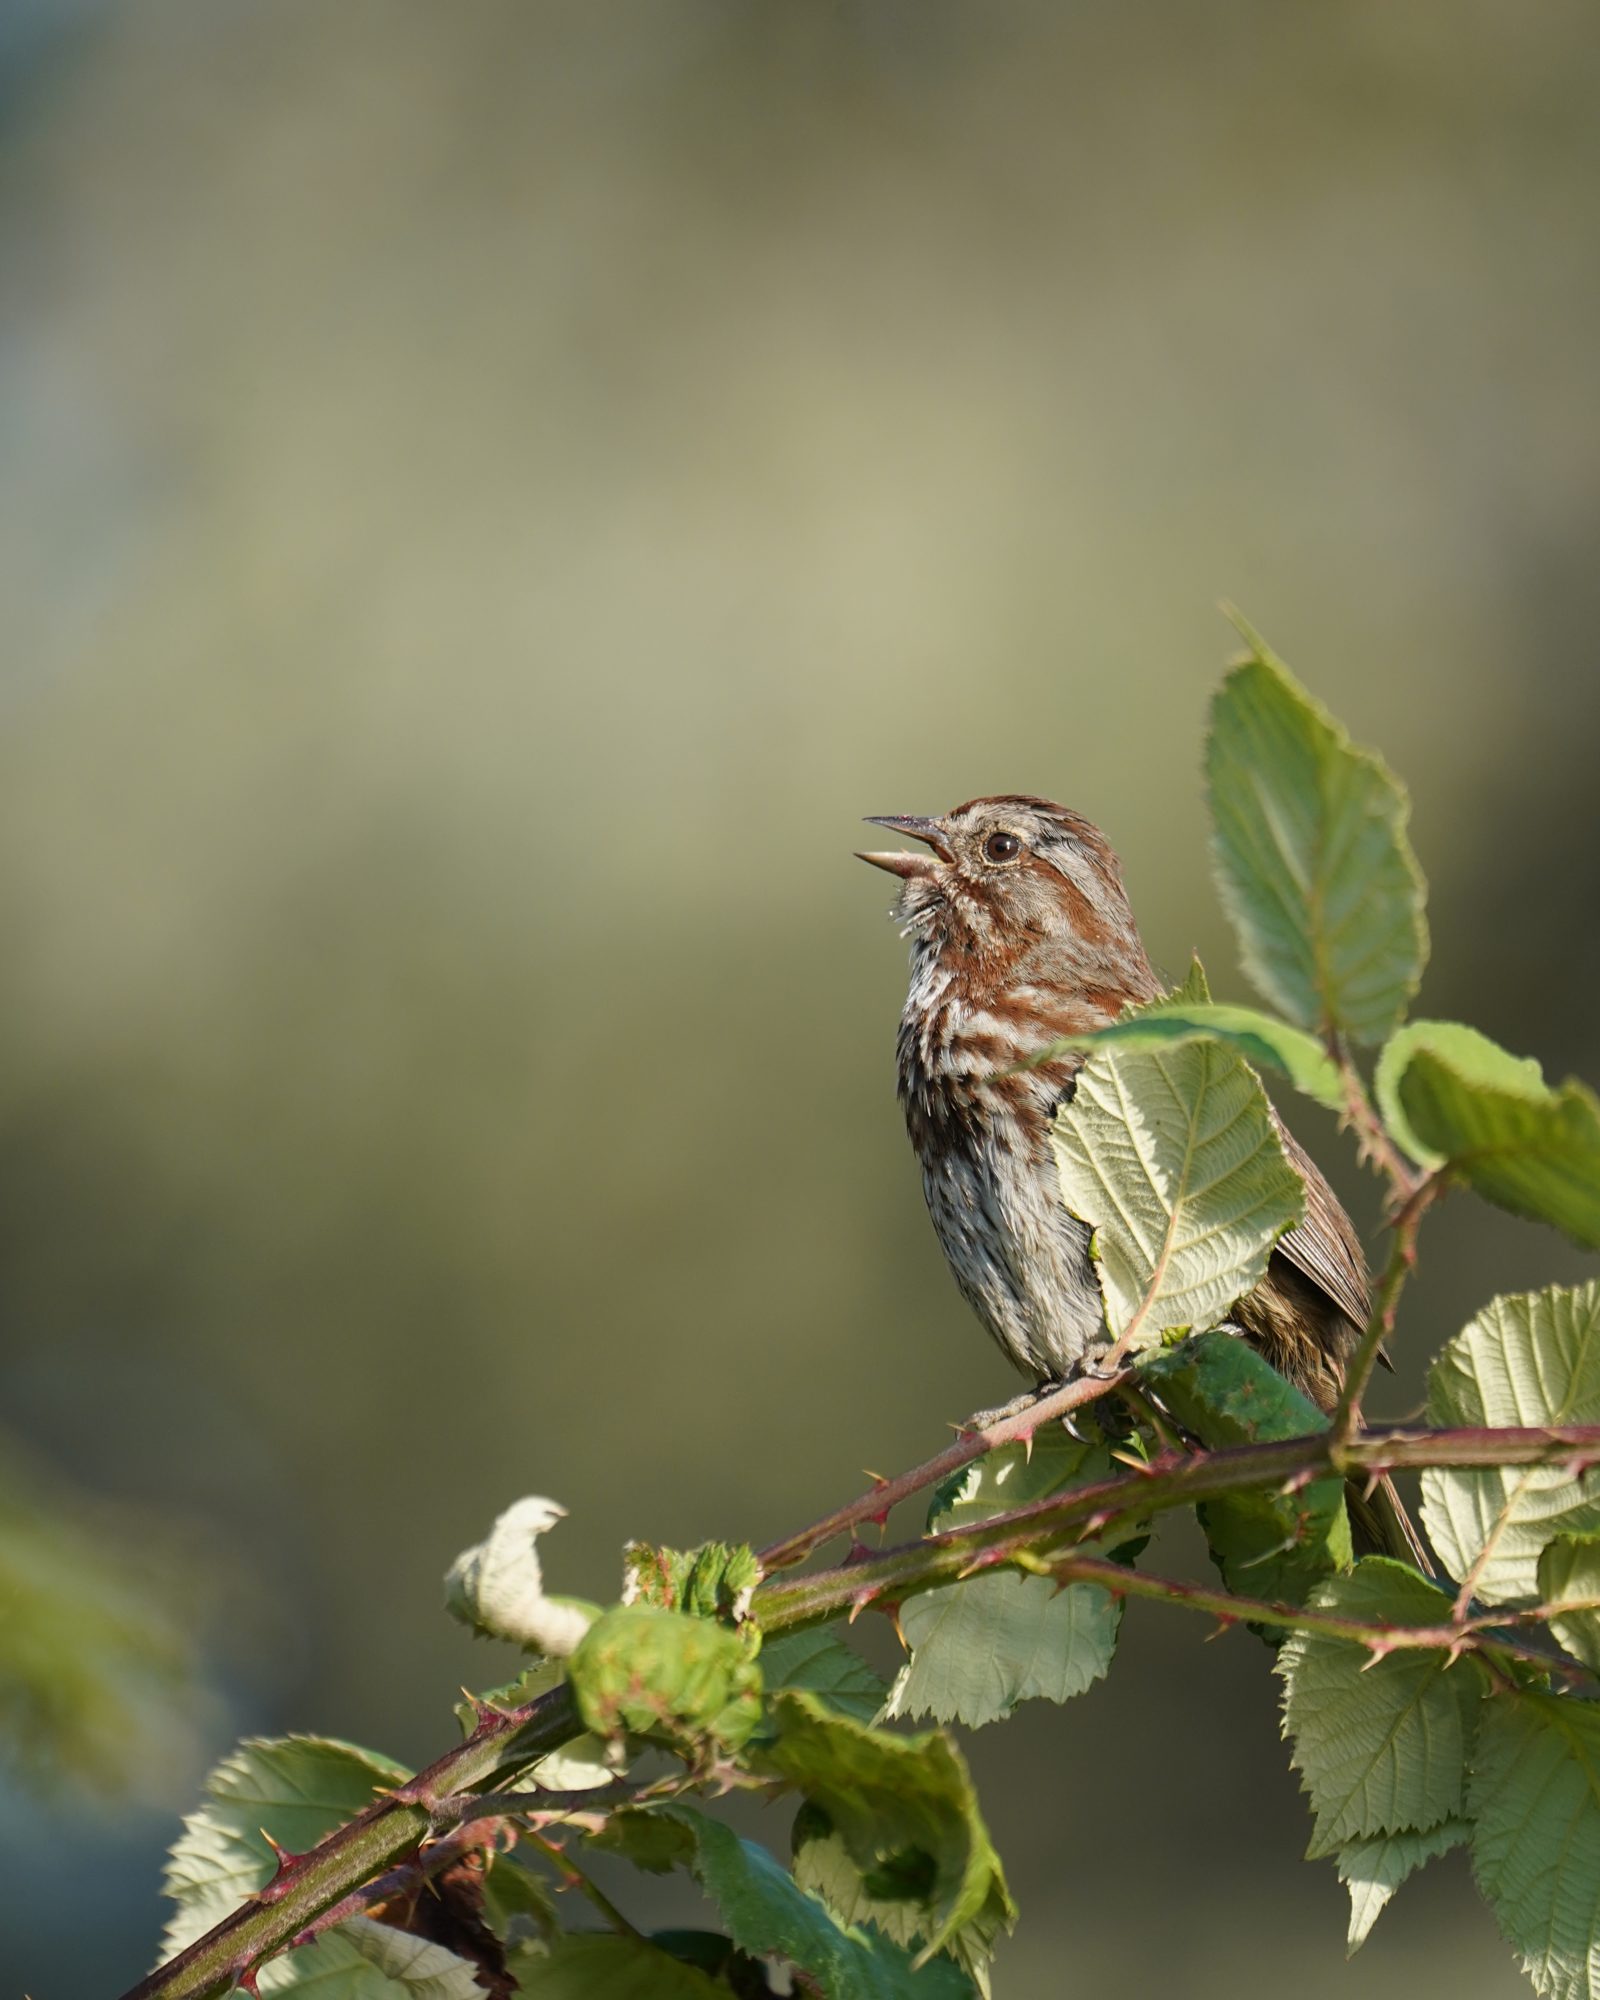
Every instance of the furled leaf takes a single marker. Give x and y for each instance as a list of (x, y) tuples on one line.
[(766, 1911), (1535, 1804), (1309, 842), (1530, 1359), (980, 1647), (899, 1803), (713, 1581), (497, 1586), (606, 1966), (1170, 1154), (295, 1788), (1267, 1543), (644, 1671), (1381, 1744), (820, 1662), (1373, 1869), (1471, 1055), (1569, 1576), (1532, 1150)]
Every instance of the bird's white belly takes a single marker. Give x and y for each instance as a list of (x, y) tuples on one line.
[(1020, 1258)]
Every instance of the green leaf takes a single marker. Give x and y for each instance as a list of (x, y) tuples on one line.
[(1381, 1744), (299, 1789), (516, 1901), (1262, 1039), (897, 1801), (981, 1646), (296, 1788), (1266, 1543), (603, 1966), (1530, 1359), (1471, 1055), (1532, 1150), (647, 1836), (1171, 1155), (1535, 1802), (766, 1911), (820, 1662), (363, 1960), (716, 1580), (1569, 1576), (1373, 1869), (99, 1672), (823, 1865), (647, 1672), (1309, 842), (497, 1586)]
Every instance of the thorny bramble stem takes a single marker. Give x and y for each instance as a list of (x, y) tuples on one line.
[(971, 1444), (1386, 1303), (394, 1825), (1484, 1635)]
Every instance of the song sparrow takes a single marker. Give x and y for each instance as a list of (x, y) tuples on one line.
[(1021, 933)]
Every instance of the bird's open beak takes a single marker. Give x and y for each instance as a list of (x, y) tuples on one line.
[(908, 865)]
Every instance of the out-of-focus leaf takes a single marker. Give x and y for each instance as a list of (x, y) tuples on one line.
[(1266, 1543), (642, 1671), (767, 1912), (1569, 1576), (1530, 1359), (647, 1836), (1382, 1745), (1471, 1055), (1171, 1156), (516, 1901), (497, 1586), (981, 1646), (1373, 1869), (900, 1803), (1533, 1151), (1309, 842), (607, 1966), (821, 1663), (1535, 1805), (100, 1680)]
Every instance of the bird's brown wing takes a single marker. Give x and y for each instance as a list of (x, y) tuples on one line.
[(1325, 1246)]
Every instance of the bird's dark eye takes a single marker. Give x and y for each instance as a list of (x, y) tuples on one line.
[(1002, 847)]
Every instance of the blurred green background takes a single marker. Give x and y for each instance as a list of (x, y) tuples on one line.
[(491, 494)]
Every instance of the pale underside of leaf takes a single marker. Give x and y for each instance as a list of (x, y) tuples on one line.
[(1382, 1746), (1172, 1158), (1535, 1803), (1569, 1579), (299, 1788), (1372, 1870), (1528, 1360)]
